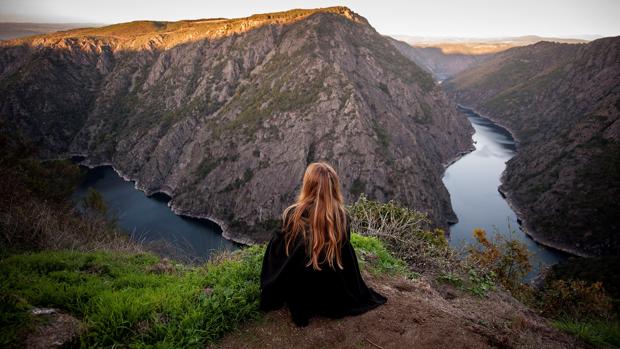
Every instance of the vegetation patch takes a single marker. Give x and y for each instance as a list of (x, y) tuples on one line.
[(426, 116), (140, 300), (505, 259), (125, 299), (406, 233), (272, 92), (373, 255), (239, 182), (382, 134), (383, 87), (600, 333)]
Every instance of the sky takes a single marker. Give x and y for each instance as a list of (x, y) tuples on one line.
[(435, 18)]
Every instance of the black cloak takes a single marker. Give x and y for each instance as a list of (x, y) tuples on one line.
[(331, 292)]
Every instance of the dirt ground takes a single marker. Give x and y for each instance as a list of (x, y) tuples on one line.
[(415, 316), (54, 330)]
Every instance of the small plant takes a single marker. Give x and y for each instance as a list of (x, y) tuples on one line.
[(451, 278), (474, 282), (504, 259), (480, 283), (94, 201)]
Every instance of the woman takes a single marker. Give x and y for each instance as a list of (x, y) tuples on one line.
[(310, 265)]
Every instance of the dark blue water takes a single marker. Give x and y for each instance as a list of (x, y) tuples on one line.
[(150, 218), (473, 181)]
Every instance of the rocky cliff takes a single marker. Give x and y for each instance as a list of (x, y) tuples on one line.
[(562, 102), (224, 115)]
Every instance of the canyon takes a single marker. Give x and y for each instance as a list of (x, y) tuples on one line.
[(224, 115), (562, 103)]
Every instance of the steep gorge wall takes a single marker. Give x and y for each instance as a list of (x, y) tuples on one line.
[(224, 115), (562, 102)]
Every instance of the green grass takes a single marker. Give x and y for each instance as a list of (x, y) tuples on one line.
[(138, 300), (123, 302), (599, 333), (451, 278), (475, 283), (373, 255)]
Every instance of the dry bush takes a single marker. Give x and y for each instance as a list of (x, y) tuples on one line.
[(506, 257), (575, 299), (36, 212), (406, 232), (34, 225)]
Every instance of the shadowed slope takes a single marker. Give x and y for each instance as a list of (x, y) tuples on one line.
[(563, 104), (226, 124)]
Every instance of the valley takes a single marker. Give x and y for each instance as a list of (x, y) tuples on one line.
[(146, 163), (561, 101), (224, 115)]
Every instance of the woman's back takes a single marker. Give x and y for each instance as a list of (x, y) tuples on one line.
[(297, 273)]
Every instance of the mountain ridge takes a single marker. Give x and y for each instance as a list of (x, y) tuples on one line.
[(128, 34)]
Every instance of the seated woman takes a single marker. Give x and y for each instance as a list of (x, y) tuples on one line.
[(310, 265)]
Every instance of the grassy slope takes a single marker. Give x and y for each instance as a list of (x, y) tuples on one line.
[(139, 300)]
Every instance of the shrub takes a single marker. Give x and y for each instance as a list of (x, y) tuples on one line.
[(53, 180), (36, 212), (506, 258), (598, 332), (94, 201), (406, 232), (592, 269), (575, 299)]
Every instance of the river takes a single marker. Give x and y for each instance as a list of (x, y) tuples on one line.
[(473, 183), (150, 218)]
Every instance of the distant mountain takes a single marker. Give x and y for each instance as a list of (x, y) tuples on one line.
[(562, 102), (482, 46), (224, 115), (446, 57), (435, 61), (10, 30)]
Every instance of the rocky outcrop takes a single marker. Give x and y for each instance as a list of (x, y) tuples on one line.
[(224, 115), (562, 102)]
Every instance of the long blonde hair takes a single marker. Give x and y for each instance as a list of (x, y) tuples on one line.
[(319, 216)]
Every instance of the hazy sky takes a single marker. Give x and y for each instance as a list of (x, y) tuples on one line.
[(466, 18)]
